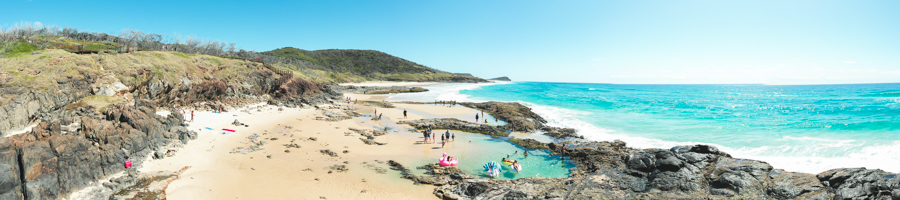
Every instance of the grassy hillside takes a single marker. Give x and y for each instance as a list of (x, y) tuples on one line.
[(48, 70), (364, 65)]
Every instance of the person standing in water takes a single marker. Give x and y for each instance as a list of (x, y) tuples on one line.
[(476, 117), (562, 152)]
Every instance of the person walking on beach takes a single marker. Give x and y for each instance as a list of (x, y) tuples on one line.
[(376, 111), (453, 136), (447, 134), (379, 116), (404, 113), (192, 116)]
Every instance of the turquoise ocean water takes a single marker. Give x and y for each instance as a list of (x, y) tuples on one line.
[(806, 128)]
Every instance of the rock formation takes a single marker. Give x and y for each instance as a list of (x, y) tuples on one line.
[(502, 78), (47, 163)]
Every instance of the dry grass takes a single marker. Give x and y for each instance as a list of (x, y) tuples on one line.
[(41, 71), (100, 101)]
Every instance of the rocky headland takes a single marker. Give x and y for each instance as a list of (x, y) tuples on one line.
[(502, 78)]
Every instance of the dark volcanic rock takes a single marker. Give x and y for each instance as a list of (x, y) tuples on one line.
[(456, 124), (40, 164), (10, 174), (79, 162), (48, 164), (860, 183), (517, 116), (528, 143), (561, 133)]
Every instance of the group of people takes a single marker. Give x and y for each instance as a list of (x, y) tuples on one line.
[(445, 138), (446, 103)]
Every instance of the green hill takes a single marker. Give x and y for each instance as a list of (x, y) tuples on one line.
[(366, 65)]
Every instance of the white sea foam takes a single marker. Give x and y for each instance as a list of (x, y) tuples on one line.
[(874, 156)]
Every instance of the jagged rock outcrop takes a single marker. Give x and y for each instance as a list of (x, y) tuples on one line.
[(561, 133), (456, 124), (861, 183), (48, 163), (517, 116), (612, 170), (28, 105)]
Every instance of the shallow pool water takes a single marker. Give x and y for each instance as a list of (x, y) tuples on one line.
[(474, 150), (483, 149)]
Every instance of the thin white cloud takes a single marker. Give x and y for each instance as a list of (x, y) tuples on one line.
[(849, 62)]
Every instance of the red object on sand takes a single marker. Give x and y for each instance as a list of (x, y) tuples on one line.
[(229, 130), (127, 163)]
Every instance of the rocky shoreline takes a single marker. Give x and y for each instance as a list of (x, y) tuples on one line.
[(381, 89), (50, 163), (611, 170)]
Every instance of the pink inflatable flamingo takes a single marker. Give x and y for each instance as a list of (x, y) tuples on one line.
[(444, 162)]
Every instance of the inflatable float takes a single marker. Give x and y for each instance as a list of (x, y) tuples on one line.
[(492, 168), (445, 163), (517, 167)]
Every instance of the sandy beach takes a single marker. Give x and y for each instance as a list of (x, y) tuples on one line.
[(218, 169)]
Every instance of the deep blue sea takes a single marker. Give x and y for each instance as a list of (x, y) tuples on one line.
[(806, 128)]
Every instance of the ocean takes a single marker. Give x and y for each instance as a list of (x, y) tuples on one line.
[(802, 128)]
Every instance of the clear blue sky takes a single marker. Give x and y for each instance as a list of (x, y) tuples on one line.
[(722, 41)]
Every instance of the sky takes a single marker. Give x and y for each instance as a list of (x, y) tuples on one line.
[(624, 42)]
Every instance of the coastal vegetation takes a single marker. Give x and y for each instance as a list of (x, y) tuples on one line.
[(331, 65)]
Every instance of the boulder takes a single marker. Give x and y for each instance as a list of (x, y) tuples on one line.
[(78, 162), (40, 170), (860, 183), (10, 176)]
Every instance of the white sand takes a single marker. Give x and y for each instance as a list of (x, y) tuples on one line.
[(217, 174)]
